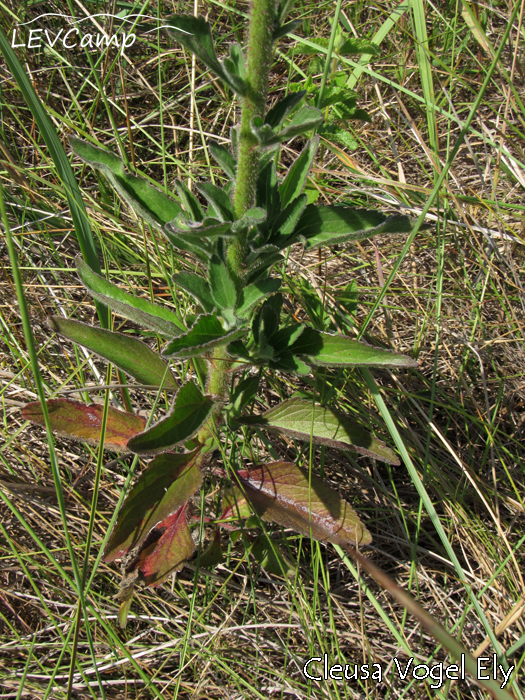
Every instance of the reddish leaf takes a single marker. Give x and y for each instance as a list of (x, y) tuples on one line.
[(168, 553), (81, 422), (163, 487), (283, 493)]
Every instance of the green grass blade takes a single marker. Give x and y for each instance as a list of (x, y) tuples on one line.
[(65, 172), (425, 70)]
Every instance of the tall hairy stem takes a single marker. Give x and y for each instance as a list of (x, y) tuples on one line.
[(259, 57), (260, 43)]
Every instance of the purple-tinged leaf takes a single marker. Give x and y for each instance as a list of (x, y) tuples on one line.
[(163, 487), (131, 356), (306, 421), (168, 553), (324, 349), (190, 409), (81, 422), (283, 493), (205, 334)]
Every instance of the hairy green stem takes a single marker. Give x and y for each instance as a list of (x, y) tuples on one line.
[(258, 61), (260, 44), (217, 386)]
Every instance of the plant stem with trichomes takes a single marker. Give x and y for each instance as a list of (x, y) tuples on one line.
[(258, 62)]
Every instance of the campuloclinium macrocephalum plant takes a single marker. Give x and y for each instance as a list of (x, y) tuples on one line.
[(237, 239)]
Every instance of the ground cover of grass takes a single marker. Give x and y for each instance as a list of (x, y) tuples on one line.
[(455, 302)]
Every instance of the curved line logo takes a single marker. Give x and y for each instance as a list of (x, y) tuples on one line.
[(34, 37)]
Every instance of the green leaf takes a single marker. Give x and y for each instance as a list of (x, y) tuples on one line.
[(268, 554), (222, 287), (306, 119), (130, 355), (323, 349), (331, 132), (141, 311), (286, 336), (261, 264), (283, 493), (212, 555), (164, 486), (190, 202), (234, 63), (283, 9), (344, 47), (209, 228), (348, 297), (218, 199), (355, 47), (286, 222), (238, 349), (264, 133), (287, 28), (174, 547), (224, 158), (243, 395), (334, 94), (190, 409), (81, 422), (194, 33), (147, 201), (320, 43), (266, 321), (326, 225), (252, 217), (278, 112), (206, 333), (295, 179), (311, 303), (267, 195), (125, 605), (268, 155), (201, 248), (235, 505), (253, 294), (96, 156), (289, 363), (306, 421), (197, 287)]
